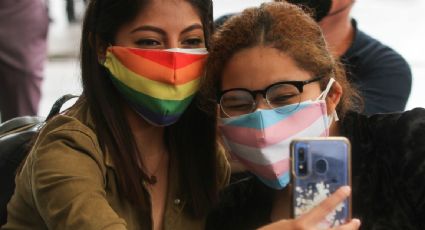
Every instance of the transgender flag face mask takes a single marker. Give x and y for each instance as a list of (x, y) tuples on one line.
[(158, 84), (260, 140)]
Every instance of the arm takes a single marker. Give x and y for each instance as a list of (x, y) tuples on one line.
[(67, 181)]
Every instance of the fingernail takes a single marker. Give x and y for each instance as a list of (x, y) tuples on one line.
[(346, 189), (356, 222)]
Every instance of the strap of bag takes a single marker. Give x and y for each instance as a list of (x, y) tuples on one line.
[(56, 108), (27, 121)]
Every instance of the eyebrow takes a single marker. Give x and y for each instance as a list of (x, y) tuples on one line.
[(192, 27), (162, 32), (149, 28)]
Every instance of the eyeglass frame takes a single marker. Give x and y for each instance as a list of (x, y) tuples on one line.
[(298, 84)]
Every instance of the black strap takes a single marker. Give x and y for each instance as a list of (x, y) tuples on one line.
[(56, 108)]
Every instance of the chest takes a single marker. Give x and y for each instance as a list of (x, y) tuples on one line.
[(167, 203)]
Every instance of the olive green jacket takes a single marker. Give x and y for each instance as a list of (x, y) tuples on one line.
[(67, 182)]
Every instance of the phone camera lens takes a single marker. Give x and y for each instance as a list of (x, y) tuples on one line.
[(302, 166), (321, 166), (301, 154), (302, 169)]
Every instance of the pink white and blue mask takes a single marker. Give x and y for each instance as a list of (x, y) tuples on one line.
[(260, 140)]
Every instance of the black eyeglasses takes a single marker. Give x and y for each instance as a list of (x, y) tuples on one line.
[(240, 101)]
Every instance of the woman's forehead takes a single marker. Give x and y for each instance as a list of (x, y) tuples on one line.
[(259, 67), (168, 14)]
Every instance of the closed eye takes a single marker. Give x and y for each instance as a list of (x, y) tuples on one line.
[(148, 43), (240, 107), (284, 99), (193, 43)]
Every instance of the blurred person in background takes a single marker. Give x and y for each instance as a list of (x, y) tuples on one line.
[(380, 73), (70, 10), (23, 50)]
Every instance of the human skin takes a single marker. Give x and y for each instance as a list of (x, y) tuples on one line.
[(337, 28)]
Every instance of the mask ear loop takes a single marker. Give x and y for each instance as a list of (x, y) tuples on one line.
[(325, 92), (323, 95)]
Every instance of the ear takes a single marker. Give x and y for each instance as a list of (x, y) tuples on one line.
[(333, 98), (99, 46), (101, 51)]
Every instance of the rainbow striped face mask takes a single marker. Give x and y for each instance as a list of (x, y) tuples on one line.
[(260, 140), (158, 84)]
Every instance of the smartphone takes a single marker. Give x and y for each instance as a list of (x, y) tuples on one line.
[(319, 167)]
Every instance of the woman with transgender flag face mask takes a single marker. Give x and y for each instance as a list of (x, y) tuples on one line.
[(274, 80)]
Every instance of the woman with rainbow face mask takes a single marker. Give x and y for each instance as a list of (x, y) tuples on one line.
[(137, 151), (274, 79)]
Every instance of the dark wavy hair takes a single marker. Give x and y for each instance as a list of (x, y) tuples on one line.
[(287, 28), (191, 141)]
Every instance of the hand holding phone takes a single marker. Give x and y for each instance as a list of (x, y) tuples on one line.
[(319, 167), (313, 217)]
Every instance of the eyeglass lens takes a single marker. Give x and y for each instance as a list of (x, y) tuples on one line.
[(240, 102)]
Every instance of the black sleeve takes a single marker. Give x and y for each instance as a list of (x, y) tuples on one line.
[(388, 169), (410, 166)]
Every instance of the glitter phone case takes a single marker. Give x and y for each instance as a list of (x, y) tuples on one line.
[(319, 167)]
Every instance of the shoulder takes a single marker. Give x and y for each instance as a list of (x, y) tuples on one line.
[(401, 133), (67, 128), (75, 126), (372, 54), (66, 140), (384, 123), (400, 123), (65, 171), (415, 117)]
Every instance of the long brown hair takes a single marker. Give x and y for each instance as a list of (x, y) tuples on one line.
[(191, 141), (289, 29)]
